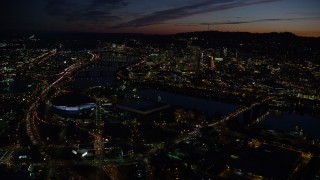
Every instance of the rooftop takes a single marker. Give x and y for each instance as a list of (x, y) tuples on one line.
[(142, 106)]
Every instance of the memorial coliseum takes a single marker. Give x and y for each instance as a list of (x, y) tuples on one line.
[(73, 103)]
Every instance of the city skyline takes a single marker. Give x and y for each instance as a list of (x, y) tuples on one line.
[(162, 17), (88, 91)]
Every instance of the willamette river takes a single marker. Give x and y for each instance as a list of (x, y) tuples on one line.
[(281, 122), (208, 107), (289, 121)]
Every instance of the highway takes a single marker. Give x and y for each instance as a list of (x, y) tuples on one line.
[(31, 115), (7, 153), (41, 58)]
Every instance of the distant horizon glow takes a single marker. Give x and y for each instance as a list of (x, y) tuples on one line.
[(162, 17)]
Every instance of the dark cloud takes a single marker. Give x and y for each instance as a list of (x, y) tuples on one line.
[(88, 10), (189, 10), (110, 2), (250, 21), (10, 8), (306, 13), (16, 14)]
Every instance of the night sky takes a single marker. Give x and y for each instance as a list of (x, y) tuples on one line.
[(301, 17)]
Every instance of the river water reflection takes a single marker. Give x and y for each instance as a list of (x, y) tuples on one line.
[(292, 122), (208, 107), (280, 121)]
